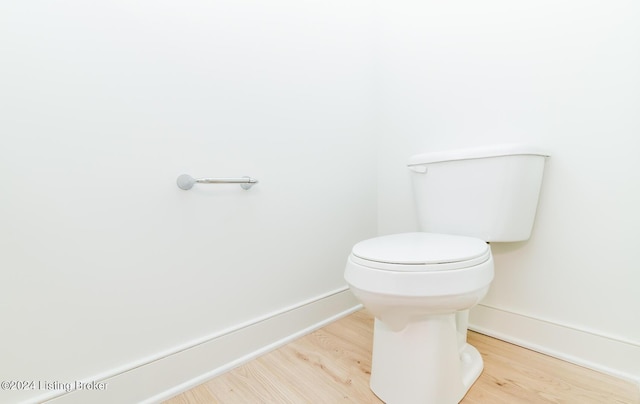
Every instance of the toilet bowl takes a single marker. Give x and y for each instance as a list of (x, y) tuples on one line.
[(419, 287)]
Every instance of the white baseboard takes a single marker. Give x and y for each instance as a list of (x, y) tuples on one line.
[(188, 367), (172, 374), (601, 353)]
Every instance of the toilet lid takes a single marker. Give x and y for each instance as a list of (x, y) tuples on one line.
[(421, 249)]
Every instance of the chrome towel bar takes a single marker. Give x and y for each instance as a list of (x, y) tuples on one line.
[(186, 182)]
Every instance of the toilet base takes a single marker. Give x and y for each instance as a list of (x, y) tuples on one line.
[(423, 362)]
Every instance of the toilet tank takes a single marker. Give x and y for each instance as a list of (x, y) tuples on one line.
[(490, 193)]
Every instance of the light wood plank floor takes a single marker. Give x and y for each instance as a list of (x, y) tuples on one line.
[(333, 363)]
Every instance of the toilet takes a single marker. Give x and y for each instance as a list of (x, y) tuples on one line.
[(420, 285)]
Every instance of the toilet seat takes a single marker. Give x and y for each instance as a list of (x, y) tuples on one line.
[(426, 264), (420, 252)]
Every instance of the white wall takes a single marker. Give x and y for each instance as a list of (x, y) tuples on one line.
[(561, 75), (104, 261)]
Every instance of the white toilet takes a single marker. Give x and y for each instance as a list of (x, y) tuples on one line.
[(420, 286)]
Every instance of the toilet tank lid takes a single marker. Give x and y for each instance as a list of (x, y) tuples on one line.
[(420, 248), (477, 153)]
